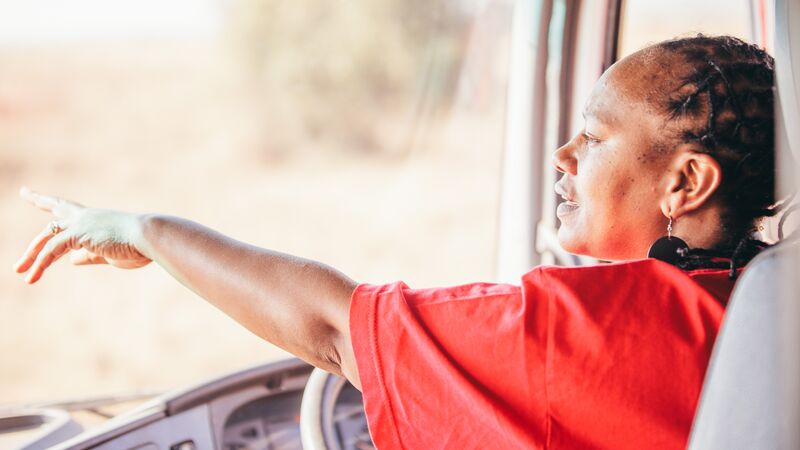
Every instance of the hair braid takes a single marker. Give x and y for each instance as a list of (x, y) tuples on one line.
[(724, 104)]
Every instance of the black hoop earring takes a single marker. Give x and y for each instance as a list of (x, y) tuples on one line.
[(668, 248)]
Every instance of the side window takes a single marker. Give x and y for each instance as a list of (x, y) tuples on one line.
[(643, 22)]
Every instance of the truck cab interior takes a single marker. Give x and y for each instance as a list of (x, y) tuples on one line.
[(558, 48)]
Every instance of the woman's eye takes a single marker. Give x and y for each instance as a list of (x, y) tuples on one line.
[(590, 140)]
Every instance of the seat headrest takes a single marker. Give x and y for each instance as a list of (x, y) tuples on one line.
[(787, 72)]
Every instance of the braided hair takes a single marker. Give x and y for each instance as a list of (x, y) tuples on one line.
[(723, 104)]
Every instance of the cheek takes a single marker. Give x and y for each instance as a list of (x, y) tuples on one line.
[(606, 188), (621, 199), (611, 202), (616, 189), (597, 185)]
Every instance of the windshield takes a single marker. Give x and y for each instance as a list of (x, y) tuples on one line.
[(366, 135)]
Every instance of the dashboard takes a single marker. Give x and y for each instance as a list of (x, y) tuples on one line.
[(273, 423), (268, 423), (252, 409)]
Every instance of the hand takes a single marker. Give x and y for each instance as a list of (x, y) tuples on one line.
[(93, 236)]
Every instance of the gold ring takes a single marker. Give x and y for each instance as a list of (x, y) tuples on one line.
[(55, 228)]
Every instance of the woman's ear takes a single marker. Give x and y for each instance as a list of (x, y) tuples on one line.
[(693, 178)]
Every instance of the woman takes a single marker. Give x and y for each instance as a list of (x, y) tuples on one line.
[(678, 140)]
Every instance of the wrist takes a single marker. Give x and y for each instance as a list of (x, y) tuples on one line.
[(143, 229)]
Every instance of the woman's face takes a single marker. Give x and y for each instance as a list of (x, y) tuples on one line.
[(613, 171)]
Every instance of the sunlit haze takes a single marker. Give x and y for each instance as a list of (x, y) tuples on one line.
[(37, 22)]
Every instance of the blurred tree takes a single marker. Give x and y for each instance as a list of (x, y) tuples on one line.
[(337, 65)]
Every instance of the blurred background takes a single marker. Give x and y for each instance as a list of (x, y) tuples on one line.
[(367, 135)]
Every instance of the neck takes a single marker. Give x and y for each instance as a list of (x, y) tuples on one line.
[(700, 229)]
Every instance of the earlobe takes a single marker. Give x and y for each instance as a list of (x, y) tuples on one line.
[(674, 194)]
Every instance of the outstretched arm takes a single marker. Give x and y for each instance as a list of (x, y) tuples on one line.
[(297, 304)]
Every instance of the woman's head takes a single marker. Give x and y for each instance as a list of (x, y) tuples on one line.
[(681, 129)]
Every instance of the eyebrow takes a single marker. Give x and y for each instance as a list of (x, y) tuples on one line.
[(601, 119)]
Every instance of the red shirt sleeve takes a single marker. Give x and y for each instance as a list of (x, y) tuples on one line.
[(609, 356)]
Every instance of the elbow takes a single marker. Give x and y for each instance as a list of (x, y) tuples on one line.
[(336, 356)]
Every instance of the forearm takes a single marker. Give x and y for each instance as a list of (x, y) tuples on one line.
[(298, 304)]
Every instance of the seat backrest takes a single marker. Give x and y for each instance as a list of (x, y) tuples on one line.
[(751, 397)]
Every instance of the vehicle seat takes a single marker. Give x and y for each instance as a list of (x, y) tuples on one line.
[(751, 397)]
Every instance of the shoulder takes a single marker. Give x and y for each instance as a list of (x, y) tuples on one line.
[(641, 269), (640, 278), (400, 292)]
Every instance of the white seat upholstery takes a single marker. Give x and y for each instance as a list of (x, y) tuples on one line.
[(751, 398)]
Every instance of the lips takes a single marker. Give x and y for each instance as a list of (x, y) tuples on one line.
[(565, 192), (569, 204), (566, 208)]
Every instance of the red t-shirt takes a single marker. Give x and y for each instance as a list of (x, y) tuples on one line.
[(608, 357)]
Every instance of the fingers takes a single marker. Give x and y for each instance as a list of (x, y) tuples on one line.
[(55, 248), (49, 203), (84, 257), (38, 200), (33, 249), (46, 247)]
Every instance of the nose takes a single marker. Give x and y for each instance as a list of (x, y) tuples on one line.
[(564, 158)]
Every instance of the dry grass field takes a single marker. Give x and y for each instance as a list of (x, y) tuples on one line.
[(173, 129)]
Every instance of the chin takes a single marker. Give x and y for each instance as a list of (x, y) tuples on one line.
[(571, 243)]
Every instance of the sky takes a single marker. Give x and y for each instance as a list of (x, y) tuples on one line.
[(42, 22)]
